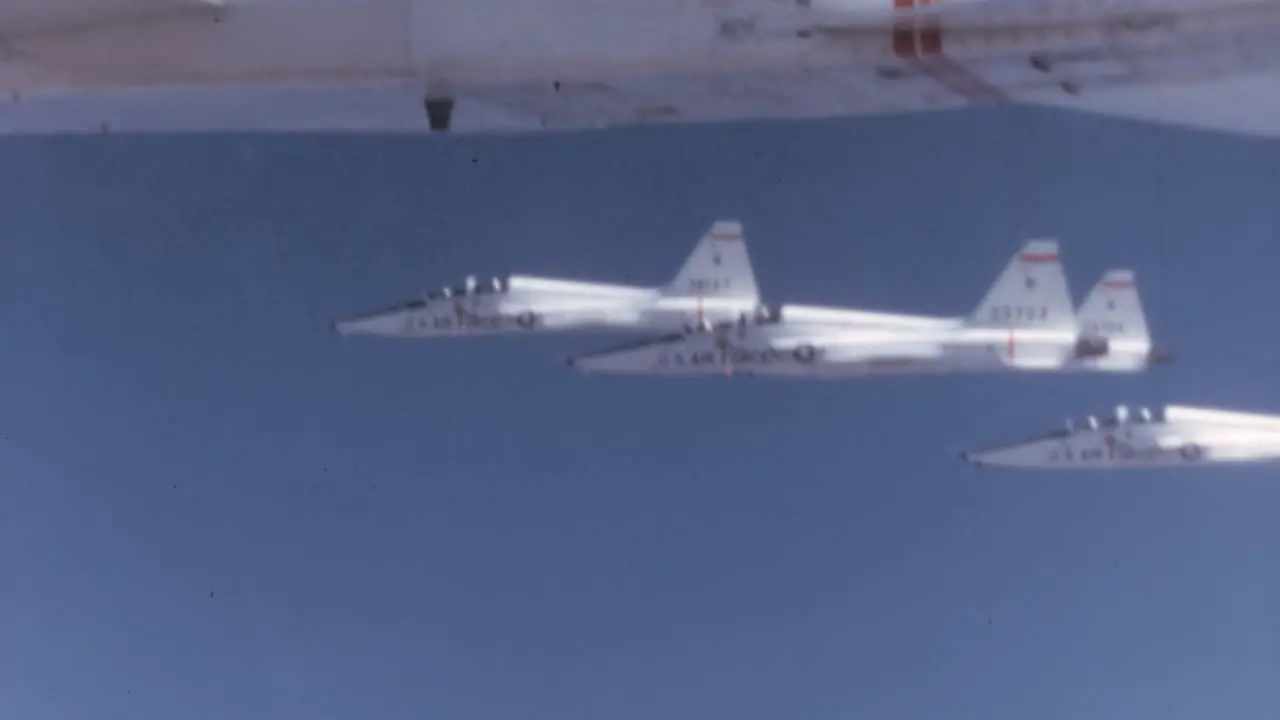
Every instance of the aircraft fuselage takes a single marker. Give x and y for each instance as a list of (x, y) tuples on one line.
[(854, 352), (1182, 436), (529, 304)]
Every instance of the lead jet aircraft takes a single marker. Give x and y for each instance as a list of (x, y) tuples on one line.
[(527, 66), (1025, 323), (715, 283), (1174, 435)]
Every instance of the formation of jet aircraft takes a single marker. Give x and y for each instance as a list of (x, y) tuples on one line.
[(500, 66), (710, 319), (1025, 322), (1170, 436)]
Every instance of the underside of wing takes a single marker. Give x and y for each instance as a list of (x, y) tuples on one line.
[(55, 44), (399, 105), (371, 65), (1246, 105), (1203, 64)]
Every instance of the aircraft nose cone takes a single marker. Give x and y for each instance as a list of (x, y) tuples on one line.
[(393, 324), (609, 362), (1160, 356)]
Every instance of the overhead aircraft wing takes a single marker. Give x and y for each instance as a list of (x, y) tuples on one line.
[(1141, 62), (65, 44), (365, 65), (1248, 105)]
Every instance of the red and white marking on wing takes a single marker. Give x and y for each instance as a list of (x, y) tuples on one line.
[(919, 41)]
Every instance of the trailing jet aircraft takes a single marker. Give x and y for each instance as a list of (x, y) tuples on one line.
[(1112, 323), (479, 66), (1175, 435), (716, 283), (1025, 323)]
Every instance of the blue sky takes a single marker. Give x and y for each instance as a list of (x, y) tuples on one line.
[(214, 507)]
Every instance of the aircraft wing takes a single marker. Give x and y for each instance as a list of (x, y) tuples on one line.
[(350, 65), (64, 44)]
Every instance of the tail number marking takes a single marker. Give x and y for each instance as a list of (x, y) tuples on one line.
[(1106, 327), (704, 285), (1018, 313)]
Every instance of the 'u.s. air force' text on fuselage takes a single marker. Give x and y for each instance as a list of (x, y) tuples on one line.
[(1115, 450), (463, 320), (675, 358)]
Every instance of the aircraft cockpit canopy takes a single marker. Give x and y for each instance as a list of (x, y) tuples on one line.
[(1134, 415), (470, 286), (1122, 414)]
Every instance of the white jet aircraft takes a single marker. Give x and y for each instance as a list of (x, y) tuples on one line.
[(716, 283), (1113, 328), (1025, 323), (478, 66), (1176, 435)]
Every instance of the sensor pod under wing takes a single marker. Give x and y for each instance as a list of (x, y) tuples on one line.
[(715, 282)]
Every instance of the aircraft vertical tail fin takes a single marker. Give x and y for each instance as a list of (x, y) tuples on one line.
[(719, 266), (1113, 309), (1113, 327), (1031, 291)]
